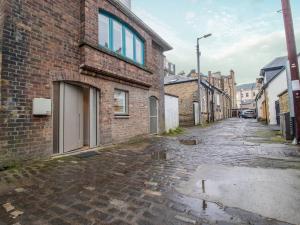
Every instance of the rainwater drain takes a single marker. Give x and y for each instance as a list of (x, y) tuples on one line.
[(189, 141), (159, 155)]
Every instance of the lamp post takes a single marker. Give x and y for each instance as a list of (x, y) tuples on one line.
[(199, 75)]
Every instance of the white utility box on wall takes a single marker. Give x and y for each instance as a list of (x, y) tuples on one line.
[(41, 107)]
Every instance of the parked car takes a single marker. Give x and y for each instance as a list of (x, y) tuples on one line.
[(248, 114)]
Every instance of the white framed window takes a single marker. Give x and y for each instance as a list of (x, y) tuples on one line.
[(120, 102)]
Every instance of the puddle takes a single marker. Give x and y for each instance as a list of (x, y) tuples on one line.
[(272, 193), (162, 155), (210, 211)]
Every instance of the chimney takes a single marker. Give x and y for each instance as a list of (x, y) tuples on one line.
[(126, 3)]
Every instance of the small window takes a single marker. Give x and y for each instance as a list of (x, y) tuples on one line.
[(254, 94), (247, 95), (121, 102), (103, 30), (118, 37), (129, 43)]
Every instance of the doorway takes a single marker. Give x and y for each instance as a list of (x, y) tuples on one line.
[(153, 115), (76, 117)]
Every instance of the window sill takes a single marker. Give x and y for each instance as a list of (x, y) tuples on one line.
[(111, 53), (122, 116)]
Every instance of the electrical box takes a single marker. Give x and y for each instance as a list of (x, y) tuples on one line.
[(41, 107)]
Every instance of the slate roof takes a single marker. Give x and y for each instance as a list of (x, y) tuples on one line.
[(175, 79), (274, 68), (277, 62), (246, 86)]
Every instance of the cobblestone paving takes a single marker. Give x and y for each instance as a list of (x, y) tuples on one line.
[(135, 183)]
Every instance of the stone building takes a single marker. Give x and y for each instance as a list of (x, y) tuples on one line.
[(215, 103), (225, 83), (76, 76), (246, 94)]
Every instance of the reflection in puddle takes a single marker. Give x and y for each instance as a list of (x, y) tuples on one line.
[(204, 205), (208, 210), (159, 155), (257, 187), (203, 186)]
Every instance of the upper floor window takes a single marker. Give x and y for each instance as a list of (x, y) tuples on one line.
[(119, 38), (104, 31)]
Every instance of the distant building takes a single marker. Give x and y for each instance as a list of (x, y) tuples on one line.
[(169, 68), (216, 104), (246, 94), (225, 83)]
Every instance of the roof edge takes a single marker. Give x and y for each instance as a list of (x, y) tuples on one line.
[(159, 40)]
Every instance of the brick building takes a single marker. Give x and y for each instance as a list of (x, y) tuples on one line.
[(215, 103), (76, 76)]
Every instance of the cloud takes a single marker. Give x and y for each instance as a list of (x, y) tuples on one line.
[(168, 33), (242, 43)]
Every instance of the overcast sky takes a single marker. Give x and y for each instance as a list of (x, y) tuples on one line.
[(247, 34)]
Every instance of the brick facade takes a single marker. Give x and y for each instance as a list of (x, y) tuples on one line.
[(211, 109), (284, 102), (225, 83), (51, 41), (187, 93)]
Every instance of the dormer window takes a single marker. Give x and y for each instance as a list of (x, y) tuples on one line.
[(120, 38)]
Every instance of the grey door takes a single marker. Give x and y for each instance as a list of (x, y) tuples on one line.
[(153, 115), (72, 118)]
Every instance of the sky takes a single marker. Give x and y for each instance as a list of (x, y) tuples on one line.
[(246, 34)]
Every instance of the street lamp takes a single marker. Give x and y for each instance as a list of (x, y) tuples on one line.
[(199, 75)]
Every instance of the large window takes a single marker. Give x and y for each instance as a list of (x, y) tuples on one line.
[(118, 37), (121, 102)]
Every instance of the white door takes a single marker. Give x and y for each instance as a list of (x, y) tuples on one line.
[(196, 113), (72, 117)]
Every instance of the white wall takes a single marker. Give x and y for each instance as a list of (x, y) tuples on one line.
[(275, 87), (171, 112)]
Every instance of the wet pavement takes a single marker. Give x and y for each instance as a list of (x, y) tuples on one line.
[(233, 172)]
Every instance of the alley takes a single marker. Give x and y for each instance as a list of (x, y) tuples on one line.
[(234, 172)]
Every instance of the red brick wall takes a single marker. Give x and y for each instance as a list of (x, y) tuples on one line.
[(44, 42)]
